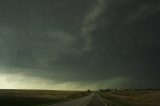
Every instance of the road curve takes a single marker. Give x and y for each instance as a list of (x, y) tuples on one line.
[(90, 100)]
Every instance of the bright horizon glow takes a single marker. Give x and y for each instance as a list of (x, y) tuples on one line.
[(20, 81)]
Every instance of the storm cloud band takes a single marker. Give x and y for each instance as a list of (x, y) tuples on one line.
[(83, 41)]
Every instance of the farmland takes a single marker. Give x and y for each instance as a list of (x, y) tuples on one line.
[(132, 98), (36, 97)]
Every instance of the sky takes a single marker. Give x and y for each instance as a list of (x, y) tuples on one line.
[(79, 44)]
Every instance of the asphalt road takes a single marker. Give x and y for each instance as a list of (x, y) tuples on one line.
[(90, 100)]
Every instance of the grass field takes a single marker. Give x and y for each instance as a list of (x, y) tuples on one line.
[(35, 97), (132, 98)]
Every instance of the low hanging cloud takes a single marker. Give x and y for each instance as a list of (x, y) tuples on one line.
[(22, 81), (25, 79), (81, 44)]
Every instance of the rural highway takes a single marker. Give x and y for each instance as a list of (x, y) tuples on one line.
[(90, 100)]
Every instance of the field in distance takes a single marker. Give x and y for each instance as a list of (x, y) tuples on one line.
[(36, 97), (132, 98)]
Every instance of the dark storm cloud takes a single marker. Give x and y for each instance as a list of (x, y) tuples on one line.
[(66, 40), (130, 39), (41, 33)]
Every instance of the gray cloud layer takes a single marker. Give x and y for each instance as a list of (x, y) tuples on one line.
[(82, 41)]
